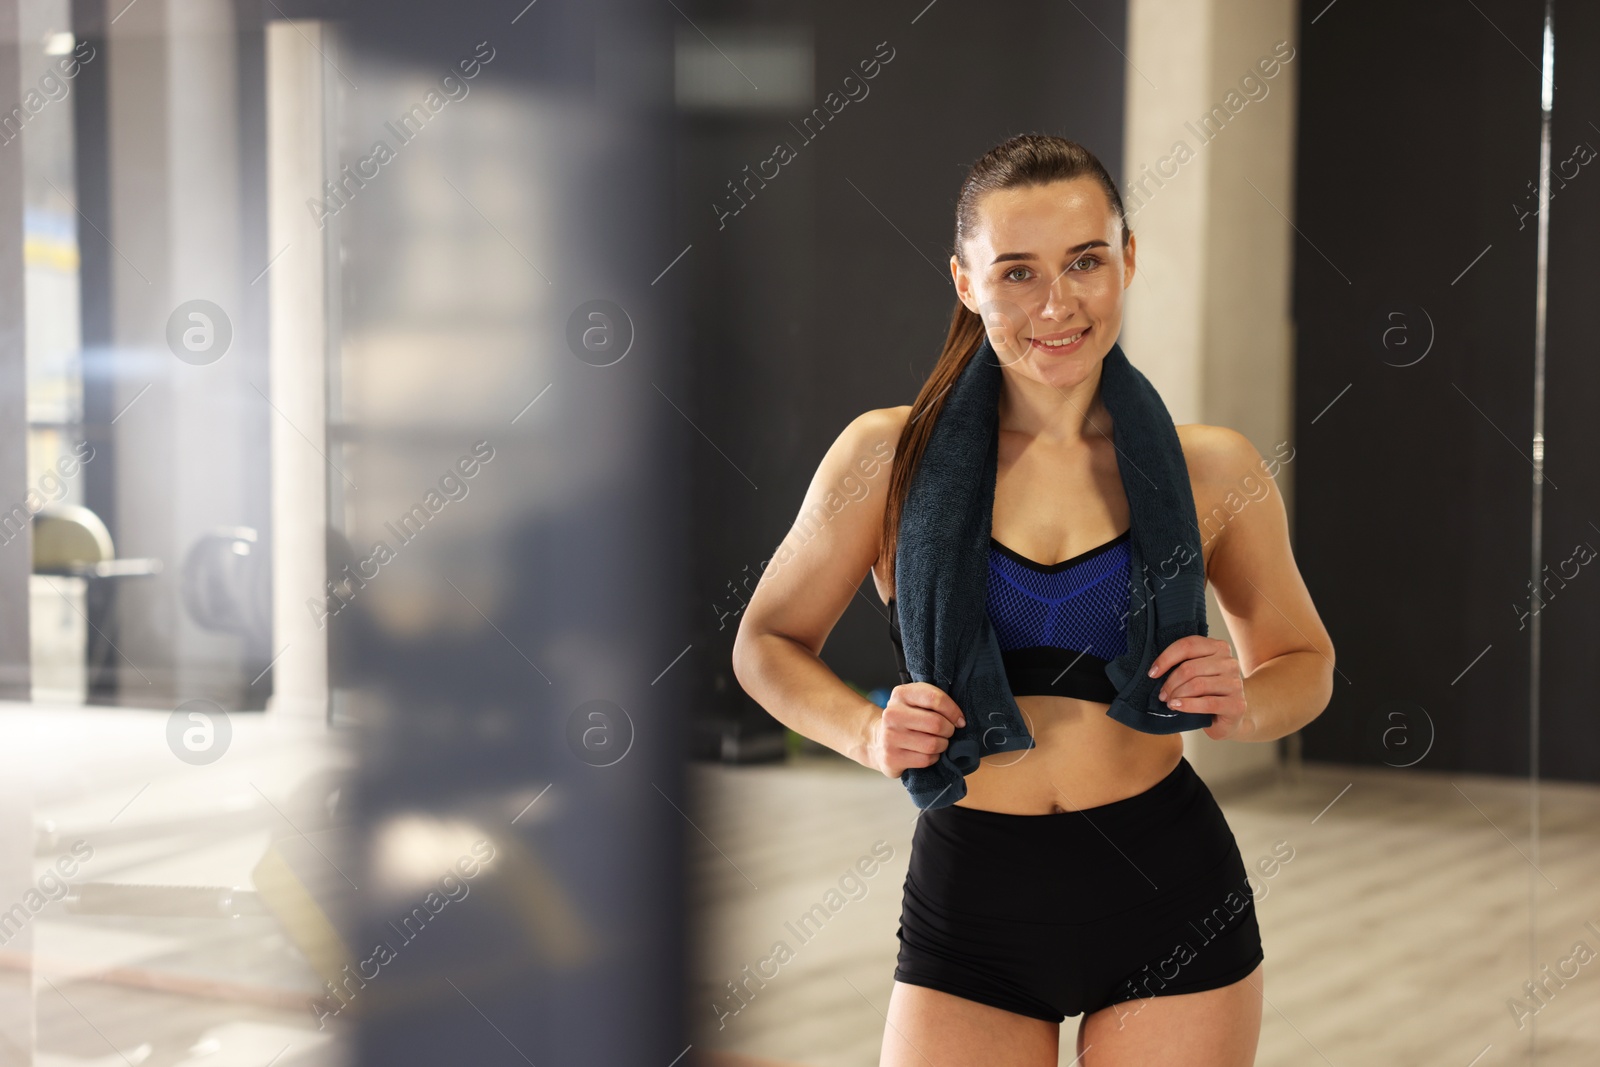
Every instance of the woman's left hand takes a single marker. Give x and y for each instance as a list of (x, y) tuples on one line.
[(1206, 681)]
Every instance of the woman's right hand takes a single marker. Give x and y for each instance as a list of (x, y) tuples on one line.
[(913, 729)]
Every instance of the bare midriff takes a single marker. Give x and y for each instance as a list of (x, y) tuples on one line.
[(1081, 758)]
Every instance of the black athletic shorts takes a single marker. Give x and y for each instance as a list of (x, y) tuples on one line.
[(1064, 914)]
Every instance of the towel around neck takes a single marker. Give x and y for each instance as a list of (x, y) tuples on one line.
[(941, 559)]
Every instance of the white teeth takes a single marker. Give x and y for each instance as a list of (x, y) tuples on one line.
[(1064, 341)]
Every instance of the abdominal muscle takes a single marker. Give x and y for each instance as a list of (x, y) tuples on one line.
[(1081, 758)]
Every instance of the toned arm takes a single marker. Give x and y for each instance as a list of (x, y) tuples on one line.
[(1284, 651), (809, 582)]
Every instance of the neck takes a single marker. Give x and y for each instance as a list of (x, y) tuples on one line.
[(1064, 414)]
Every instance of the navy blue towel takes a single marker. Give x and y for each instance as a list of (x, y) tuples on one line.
[(941, 568)]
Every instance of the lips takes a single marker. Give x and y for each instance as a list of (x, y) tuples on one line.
[(1045, 344)]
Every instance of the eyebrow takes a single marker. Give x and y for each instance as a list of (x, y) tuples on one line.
[(1006, 257)]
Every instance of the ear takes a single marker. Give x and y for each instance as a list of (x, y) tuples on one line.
[(963, 285)]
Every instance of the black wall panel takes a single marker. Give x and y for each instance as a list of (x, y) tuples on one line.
[(1414, 300)]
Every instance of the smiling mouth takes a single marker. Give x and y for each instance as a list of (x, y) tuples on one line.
[(1062, 342)]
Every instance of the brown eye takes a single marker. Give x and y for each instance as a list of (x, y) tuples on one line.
[(1012, 271)]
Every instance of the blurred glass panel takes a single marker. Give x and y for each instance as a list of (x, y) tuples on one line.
[(40, 129)]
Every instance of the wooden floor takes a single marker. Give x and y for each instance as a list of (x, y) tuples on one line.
[(1400, 932)]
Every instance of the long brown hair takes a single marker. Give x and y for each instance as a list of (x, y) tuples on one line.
[(1025, 160)]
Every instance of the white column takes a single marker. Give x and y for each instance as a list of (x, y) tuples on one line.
[(298, 365), (1165, 190)]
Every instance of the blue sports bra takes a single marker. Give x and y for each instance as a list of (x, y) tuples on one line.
[(1058, 624)]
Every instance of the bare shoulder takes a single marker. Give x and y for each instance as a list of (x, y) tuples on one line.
[(1249, 557), (1226, 472), (863, 454), (866, 442), (880, 422), (1216, 454)]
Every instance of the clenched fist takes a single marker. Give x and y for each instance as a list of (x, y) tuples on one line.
[(914, 728)]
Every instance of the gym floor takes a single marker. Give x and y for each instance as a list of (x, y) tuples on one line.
[(1397, 933)]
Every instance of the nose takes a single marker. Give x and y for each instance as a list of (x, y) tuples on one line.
[(1061, 299)]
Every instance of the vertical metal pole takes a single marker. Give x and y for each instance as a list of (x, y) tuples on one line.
[(1547, 91)]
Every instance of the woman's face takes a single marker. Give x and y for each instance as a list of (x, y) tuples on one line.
[(1047, 264)]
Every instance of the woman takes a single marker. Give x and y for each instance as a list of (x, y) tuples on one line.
[(1093, 874)]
